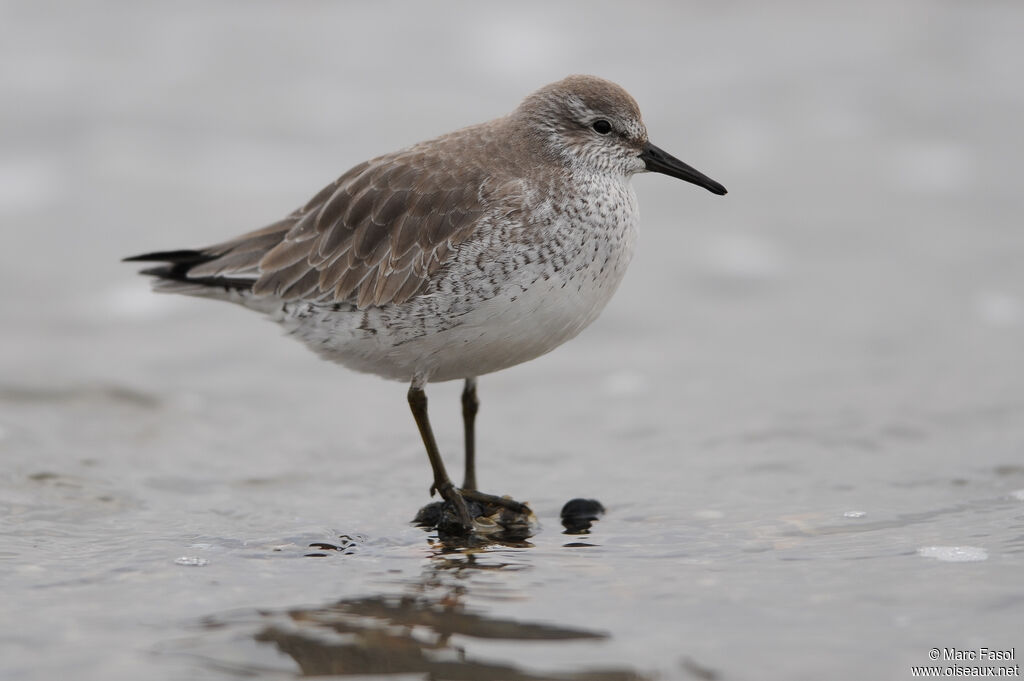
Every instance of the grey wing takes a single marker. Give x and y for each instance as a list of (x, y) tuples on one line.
[(372, 237)]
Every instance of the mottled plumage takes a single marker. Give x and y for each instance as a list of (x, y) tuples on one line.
[(455, 257)]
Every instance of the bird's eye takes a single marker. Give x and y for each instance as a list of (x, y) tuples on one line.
[(601, 126)]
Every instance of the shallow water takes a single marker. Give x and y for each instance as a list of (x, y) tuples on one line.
[(804, 410)]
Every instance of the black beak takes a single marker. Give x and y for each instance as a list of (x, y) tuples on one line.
[(659, 161)]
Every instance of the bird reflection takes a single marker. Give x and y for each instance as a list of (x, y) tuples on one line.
[(428, 629)]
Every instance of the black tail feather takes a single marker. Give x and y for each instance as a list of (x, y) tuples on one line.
[(186, 256), (178, 264)]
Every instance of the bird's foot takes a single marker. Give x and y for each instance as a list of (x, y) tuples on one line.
[(489, 516), (462, 521), (494, 500)]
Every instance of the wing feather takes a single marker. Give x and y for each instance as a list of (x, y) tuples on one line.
[(379, 232), (350, 280), (306, 287), (366, 288), (413, 286)]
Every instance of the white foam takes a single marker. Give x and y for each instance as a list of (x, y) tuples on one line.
[(954, 554), (191, 561), (854, 514), (1017, 494)]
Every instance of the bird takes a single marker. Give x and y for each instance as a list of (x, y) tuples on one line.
[(455, 257)]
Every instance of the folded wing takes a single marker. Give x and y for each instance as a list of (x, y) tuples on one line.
[(372, 237)]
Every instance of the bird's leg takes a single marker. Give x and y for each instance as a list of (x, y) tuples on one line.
[(470, 406), (442, 483)]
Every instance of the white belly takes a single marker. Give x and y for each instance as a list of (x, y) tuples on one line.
[(517, 309), (519, 325)]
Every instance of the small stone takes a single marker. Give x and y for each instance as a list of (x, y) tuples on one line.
[(579, 514)]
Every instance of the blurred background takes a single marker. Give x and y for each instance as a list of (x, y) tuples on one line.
[(804, 409)]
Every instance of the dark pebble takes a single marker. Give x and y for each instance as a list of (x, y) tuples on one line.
[(579, 514)]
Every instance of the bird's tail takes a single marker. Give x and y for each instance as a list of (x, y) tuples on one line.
[(227, 270), (175, 274)]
